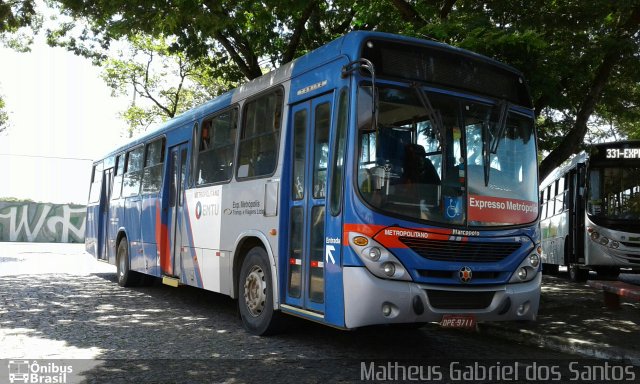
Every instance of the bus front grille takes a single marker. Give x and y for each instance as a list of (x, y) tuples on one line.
[(461, 251), (459, 299)]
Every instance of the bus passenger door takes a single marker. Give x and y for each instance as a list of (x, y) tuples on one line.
[(305, 285), (105, 201), (170, 262)]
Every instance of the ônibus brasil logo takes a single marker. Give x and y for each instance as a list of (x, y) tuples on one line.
[(24, 371)]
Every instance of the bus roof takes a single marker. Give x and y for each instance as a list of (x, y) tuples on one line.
[(564, 168)]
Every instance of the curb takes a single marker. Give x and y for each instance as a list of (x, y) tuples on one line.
[(562, 344)]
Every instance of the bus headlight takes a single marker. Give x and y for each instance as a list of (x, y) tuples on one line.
[(527, 270), (522, 273), (389, 269), (373, 253), (377, 258), (534, 260)]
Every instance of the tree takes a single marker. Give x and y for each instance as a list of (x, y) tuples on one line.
[(161, 83), (213, 46), (4, 116), (18, 21), (579, 58), (16, 18), (249, 34)]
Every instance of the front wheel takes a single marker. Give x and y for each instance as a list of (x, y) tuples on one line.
[(255, 294)]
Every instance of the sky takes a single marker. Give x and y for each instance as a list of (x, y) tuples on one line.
[(58, 107)]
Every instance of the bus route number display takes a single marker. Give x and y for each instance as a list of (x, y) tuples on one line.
[(623, 153)]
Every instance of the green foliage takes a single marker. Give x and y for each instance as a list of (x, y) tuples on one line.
[(19, 21), (161, 82), (4, 116)]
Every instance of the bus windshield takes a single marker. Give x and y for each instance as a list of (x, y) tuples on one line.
[(614, 193), (429, 153)]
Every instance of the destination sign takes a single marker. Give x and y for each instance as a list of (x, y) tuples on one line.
[(623, 153)]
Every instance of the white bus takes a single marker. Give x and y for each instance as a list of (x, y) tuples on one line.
[(590, 212)]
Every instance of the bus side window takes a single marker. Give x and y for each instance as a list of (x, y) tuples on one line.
[(152, 176), (560, 195), (549, 202), (133, 172), (259, 137), (96, 183), (566, 192), (117, 179), (340, 142), (217, 147)]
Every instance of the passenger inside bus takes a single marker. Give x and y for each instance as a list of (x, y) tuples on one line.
[(205, 139)]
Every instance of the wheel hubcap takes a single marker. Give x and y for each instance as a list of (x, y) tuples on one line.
[(255, 291)]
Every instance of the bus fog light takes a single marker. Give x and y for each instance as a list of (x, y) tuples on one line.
[(386, 309), (534, 260), (604, 240), (373, 253), (389, 269), (523, 308), (522, 273), (615, 244)]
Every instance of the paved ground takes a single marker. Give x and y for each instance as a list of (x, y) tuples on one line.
[(573, 318), (58, 303)]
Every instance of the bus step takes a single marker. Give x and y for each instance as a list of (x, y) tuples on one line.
[(172, 281)]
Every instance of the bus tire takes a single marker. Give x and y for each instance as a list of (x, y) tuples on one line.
[(255, 294), (126, 277), (577, 274)]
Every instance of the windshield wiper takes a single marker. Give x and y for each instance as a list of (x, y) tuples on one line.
[(502, 125), (486, 150), (435, 118), (490, 145)]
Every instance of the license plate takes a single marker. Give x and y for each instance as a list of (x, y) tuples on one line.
[(458, 321)]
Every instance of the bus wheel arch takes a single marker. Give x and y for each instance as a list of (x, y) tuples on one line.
[(255, 284), (125, 276), (241, 249)]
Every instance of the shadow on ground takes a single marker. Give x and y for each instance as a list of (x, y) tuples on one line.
[(158, 327)]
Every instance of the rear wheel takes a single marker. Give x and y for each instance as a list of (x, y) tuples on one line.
[(577, 274), (126, 277), (255, 294)]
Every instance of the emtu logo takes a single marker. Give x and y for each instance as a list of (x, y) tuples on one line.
[(198, 210)]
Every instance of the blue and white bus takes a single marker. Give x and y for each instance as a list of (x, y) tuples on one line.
[(378, 179)]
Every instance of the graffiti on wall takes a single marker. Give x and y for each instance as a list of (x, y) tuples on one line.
[(42, 222)]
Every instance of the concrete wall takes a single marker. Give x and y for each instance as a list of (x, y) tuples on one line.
[(42, 222)]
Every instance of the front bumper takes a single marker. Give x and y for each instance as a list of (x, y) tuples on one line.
[(365, 296)]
